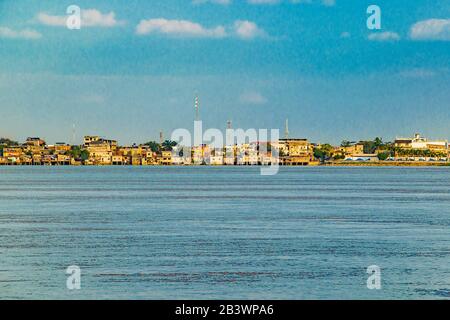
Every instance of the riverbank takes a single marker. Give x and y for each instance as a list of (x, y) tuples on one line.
[(388, 164)]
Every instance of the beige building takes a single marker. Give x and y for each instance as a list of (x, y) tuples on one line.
[(100, 150), (294, 151), (419, 142)]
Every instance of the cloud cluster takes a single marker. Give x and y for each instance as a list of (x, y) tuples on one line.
[(431, 29), (89, 18), (178, 28), (242, 29), (27, 34)]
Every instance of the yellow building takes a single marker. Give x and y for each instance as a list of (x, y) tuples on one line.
[(63, 160), (13, 154), (294, 151), (165, 158), (100, 150)]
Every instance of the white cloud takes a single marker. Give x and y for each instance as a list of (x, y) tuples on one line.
[(384, 36), (242, 29), (254, 98), (247, 30), (27, 34), (178, 28), (89, 18), (431, 29)]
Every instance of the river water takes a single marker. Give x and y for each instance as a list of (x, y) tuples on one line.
[(224, 232)]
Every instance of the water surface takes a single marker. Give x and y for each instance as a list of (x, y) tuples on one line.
[(224, 232)]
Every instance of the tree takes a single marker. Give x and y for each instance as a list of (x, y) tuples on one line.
[(384, 155), (5, 142), (8, 142), (346, 143), (154, 146), (79, 153), (378, 142), (323, 152), (168, 145)]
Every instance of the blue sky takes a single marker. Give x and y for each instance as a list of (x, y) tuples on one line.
[(134, 66)]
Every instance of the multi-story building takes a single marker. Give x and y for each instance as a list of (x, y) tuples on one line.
[(100, 150), (294, 151), (165, 159), (351, 150), (61, 147), (419, 142), (37, 142), (13, 154)]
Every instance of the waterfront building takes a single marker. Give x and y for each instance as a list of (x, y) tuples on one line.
[(200, 154), (165, 158), (100, 150), (13, 154), (61, 147), (38, 142), (352, 150), (117, 160), (63, 160), (230, 155), (419, 142), (294, 151), (216, 157)]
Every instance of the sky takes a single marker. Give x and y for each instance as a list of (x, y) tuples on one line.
[(134, 67)]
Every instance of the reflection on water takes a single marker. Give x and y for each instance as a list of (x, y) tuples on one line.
[(202, 232)]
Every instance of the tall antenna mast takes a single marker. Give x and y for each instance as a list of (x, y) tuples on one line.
[(286, 129), (73, 134), (197, 107)]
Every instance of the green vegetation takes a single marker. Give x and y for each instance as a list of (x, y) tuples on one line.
[(338, 157), (346, 143), (323, 152), (418, 153), (168, 145), (372, 146), (384, 155), (154, 146), (79, 153), (5, 142)]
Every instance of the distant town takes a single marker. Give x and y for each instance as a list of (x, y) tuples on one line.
[(98, 151)]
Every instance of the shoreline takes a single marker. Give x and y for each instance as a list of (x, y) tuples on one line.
[(312, 164), (389, 164)]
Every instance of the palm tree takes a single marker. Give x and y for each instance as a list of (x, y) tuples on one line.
[(346, 143), (154, 146), (168, 145)]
